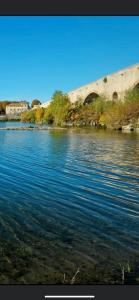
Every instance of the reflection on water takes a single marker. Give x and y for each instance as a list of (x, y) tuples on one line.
[(69, 199)]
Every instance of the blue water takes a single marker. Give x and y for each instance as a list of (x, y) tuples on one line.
[(14, 124), (69, 199)]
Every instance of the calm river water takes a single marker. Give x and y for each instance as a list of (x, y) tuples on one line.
[(69, 199)]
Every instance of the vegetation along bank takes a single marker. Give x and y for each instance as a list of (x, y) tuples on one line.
[(100, 112)]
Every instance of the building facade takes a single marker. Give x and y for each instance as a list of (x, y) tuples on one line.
[(17, 108)]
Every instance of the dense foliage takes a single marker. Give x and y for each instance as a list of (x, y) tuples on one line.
[(56, 113), (100, 112)]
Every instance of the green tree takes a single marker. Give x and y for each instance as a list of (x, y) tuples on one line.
[(57, 111), (39, 113), (28, 116)]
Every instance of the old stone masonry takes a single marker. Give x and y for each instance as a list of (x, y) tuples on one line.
[(112, 87)]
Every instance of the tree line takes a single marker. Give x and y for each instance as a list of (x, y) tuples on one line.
[(101, 112)]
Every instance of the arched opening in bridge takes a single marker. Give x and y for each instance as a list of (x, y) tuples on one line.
[(115, 96), (136, 87), (90, 98)]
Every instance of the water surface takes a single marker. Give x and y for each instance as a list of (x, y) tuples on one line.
[(68, 199)]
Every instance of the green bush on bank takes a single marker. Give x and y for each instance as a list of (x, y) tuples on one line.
[(122, 112), (28, 116)]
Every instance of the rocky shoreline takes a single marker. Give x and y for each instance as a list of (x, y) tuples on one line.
[(127, 128), (31, 128)]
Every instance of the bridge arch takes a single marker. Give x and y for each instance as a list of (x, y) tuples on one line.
[(90, 98), (115, 96), (136, 87)]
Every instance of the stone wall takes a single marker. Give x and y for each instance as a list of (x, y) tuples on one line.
[(112, 86)]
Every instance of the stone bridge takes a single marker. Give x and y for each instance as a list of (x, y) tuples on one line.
[(111, 87)]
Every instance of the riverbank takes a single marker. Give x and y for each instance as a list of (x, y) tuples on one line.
[(124, 129), (5, 118), (31, 128), (119, 115)]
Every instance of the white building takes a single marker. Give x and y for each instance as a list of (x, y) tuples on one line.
[(17, 108)]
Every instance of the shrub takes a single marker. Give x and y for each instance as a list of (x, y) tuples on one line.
[(39, 112), (28, 116)]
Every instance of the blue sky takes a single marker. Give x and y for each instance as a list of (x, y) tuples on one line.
[(39, 55)]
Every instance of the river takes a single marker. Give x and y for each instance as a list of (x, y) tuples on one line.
[(69, 201)]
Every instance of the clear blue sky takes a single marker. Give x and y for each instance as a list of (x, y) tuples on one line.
[(39, 55)]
